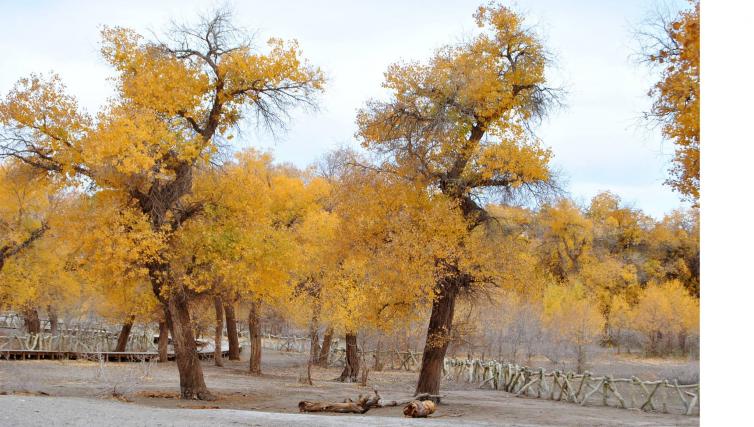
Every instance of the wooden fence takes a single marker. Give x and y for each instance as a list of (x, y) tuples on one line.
[(11, 321), (631, 393), (389, 359), (80, 341), (285, 343)]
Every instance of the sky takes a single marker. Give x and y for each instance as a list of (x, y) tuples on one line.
[(599, 139)]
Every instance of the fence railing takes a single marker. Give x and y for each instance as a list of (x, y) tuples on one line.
[(286, 343), (391, 359), (78, 342), (662, 395)]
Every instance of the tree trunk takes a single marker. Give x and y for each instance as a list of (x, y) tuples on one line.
[(178, 318), (234, 350), (314, 341), (52, 314), (255, 340), (31, 321), (438, 337), (377, 359), (324, 352), (125, 331), (580, 359), (184, 344), (218, 331), (162, 342), (682, 337), (351, 370)]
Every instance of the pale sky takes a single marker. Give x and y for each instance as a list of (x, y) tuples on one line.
[(599, 140)]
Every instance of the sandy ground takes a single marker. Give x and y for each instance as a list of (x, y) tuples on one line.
[(26, 411), (81, 393)]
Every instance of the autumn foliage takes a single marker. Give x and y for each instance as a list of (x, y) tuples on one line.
[(142, 213), (676, 97)]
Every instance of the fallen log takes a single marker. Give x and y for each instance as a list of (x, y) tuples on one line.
[(363, 404), (419, 408), (342, 408)]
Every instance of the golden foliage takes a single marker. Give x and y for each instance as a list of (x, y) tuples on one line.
[(458, 122), (676, 97), (571, 315), (665, 309)]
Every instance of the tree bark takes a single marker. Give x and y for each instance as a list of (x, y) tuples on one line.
[(125, 331), (218, 331), (184, 344), (178, 318), (10, 250), (255, 340), (377, 359), (31, 321), (580, 359), (438, 337), (324, 352), (162, 342), (234, 350), (351, 370), (314, 340), (52, 314)]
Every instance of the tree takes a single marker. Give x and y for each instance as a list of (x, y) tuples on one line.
[(570, 316), (242, 245), (663, 311), (37, 265), (457, 125), (620, 319), (618, 230), (43, 276), (378, 250), (26, 201), (674, 251), (566, 237), (176, 101), (673, 46)]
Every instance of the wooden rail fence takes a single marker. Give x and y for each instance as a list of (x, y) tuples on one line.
[(286, 343), (630, 393), (390, 359), (83, 342)]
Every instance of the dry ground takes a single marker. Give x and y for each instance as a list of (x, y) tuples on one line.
[(80, 392)]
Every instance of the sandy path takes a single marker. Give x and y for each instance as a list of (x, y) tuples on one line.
[(26, 411)]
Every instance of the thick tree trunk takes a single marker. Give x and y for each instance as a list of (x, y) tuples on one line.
[(178, 318), (125, 332), (31, 321), (234, 350), (218, 331), (351, 370), (184, 344), (162, 342), (438, 337), (324, 352), (52, 314), (255, 340)]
